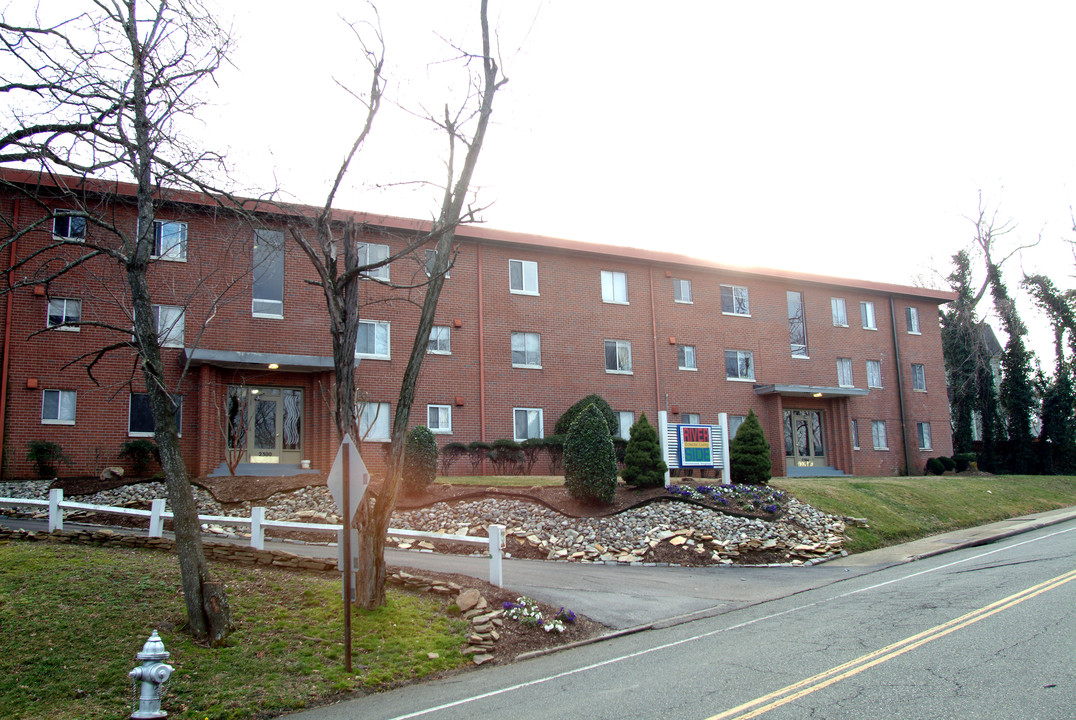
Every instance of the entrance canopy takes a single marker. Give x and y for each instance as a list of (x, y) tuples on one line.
[(258, 361), (814, 391)]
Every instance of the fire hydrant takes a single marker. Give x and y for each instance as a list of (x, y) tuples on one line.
[(153, 674)]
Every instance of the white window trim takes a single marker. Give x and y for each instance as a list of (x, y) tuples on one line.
[(526, 366), (168, 258), (383, 273), (918, 325), (694, 358), (430, 256), (844, 309), (612, 274), (863, 304), (734, 289), (687, 418), (61, 327), (924, 388), (73, 394), (737, 378), (619, 372), (541, 422), (845, 364), (523, 277), (677, 284), (68, 238), (855, 434), (387, 420), (388, 341), (879, 386), (447, 328), (143, 434), (874, 440), (439, 430), (919, 436), (620, 423), (164, 333), (264, 236)]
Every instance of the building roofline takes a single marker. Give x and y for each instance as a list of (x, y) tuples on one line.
[(473, 233)]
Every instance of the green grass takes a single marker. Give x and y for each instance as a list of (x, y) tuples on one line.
[(502, 480), (73, 617), (907, 508)]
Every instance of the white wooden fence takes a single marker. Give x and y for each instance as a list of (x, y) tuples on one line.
[(257, 522)]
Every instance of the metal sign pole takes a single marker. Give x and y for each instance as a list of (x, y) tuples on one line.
[(347, 556)]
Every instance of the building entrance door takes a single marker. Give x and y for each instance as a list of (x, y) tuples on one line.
[(804, 445), (266, 423)]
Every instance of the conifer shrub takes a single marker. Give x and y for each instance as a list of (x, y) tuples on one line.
[(420, 459), (749, 453), (947, 462), (44, 455), (564, 422), (934, 466), (589, 458), (643, 464)]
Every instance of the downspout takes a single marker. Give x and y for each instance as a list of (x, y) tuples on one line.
[(481, 356), (654, 337), (7, 331), (900, 387)]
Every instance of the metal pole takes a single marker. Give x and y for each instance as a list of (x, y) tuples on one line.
[(347, 553)]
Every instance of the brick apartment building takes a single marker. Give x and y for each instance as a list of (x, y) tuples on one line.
[(843, 374)]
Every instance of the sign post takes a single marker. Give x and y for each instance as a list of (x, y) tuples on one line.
[(347, 481)]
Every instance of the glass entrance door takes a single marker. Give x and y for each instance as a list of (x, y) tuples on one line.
[(267, 423), (804, 444)]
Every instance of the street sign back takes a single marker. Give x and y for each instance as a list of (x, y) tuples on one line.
[(358, 481)]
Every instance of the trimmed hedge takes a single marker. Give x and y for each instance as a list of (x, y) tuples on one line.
[(589, 458), (564, 423), (420, 459)]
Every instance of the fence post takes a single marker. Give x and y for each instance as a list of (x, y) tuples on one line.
[(496, 540), (56, 513), (156, 518), (257, 533)]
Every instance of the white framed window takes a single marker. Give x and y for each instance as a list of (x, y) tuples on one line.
[(855, 434), (923, 431), (523, 277), (527, 423), (369, 253), (878, 435), (170, 240), (64, 314), (685, 357), (431, 259), (439, 419), (169, 321), (140, 415), (911, 317), (874, 373), (682, 291), (739, 365), (68, 226), (734, 300), (373, 340), (618, 356), (844, 372), (526, 350), (375, 421), (440, 342), (58, 407), (919, 377), (267, 288), (690, 419), (614, 287), (840, 312), (625, 419), (735, 421), (797, 323), (866, 311)]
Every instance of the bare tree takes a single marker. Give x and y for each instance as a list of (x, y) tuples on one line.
[(106, 93)]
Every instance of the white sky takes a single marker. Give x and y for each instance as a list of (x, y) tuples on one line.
[(840, 138)]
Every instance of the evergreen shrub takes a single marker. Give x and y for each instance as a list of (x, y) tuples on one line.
[(749, 453), (420, 459), (564, 422), (643, 464), (589, 458)]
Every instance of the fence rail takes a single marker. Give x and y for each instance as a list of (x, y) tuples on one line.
[(257, 522)]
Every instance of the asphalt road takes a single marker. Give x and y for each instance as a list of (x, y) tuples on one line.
[(982, 632)]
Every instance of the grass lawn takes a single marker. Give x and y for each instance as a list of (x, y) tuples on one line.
[(73, 617), (899, 509)]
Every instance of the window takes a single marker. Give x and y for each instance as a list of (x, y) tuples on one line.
[(57, 407), (682, 291), (855, 434), (614, 287), (625, 419), (268, 285), (685, 357), (874, 373), (840, 312), (526, 350), (170, 240), (523, 277), (919, 377), (690, 418), (618, 356), (527, 423), (923, 430), (797, 324), (866, 310), (734, 300), (440, 342), (878, 435), (375, 421), (735, 421), (140, 415), (69, 227), (431, 258), (373, 340), (739, 365), (911, 316), (370, 253), (439, 419), (169, 320), (64, 314), (844, 372)]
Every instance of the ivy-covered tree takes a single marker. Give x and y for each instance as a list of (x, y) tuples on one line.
[(564, 422), (963, 351), (1058, 433), (1017, 392), (643, 464), (420, 459), (589, 458), (749, 453)]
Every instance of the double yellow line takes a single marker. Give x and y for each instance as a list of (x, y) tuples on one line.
[(764, 704)]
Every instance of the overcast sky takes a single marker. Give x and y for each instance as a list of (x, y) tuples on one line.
[(840, 138)]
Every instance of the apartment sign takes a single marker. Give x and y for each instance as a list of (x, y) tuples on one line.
[(695, 447)]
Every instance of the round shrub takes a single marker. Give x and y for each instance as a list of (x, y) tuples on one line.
[(643, 464), (963, 461), (749, 453), (934, 466), (589, 458), (564, 422), (420, 459), (947, 462)]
